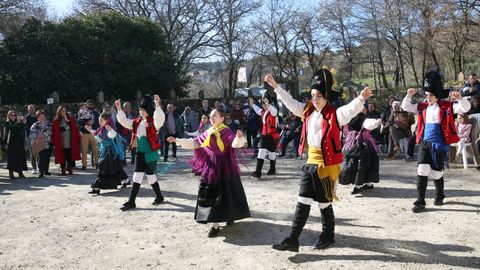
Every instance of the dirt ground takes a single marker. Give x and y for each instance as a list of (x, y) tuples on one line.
[(53, 223)]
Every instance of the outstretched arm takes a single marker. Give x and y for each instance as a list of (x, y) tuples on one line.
[(121, 117), (407, 101), (347, 112), (185, 143), (293, 105)]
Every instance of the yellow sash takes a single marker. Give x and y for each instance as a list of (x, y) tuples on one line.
[(328, 174), (215, 131)]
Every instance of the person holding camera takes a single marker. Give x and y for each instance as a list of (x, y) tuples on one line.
[(14, 142)]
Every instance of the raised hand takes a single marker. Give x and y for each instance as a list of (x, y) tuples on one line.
[(118, 104), (157, 100), (366, 93), (270, 80), (411, 92), (456, 95)]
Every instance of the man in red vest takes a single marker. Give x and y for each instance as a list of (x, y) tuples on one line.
[(435, 132), (270, 136), (145, 139), (321, 131)]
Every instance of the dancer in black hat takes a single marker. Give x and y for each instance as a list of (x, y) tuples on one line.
[(321, 131), (145, 139), (435, 132), (270, 136)]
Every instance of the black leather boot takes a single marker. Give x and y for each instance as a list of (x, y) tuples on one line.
[(158, 194), (327, 237), (291, 242), (439, 194), (258, 171), (272, 169), (421, 189), (10, 174), (131, 201)]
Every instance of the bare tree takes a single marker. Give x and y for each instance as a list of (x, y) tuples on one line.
[(233, 35), (14, 12), (189, 25), (337, 18)]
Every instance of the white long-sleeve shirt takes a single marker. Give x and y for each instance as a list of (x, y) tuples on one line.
[(158, 120), (191, 144), (314, 132), (433, 111)]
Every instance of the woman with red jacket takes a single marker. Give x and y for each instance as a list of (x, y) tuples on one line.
[(66, 140)]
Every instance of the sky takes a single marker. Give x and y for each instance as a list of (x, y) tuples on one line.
[(60, 8)]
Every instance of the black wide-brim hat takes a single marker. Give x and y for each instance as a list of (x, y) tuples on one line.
[(433, 83)]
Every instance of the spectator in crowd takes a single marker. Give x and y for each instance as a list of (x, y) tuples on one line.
[(400, 126), (87, 140), (291, 131), (41, 140), (253, 124), (172, 128), (385, 118), (204, 124), (127, 133), (66, 140), (205, 110), (373, 113), (84, 111), (471, 87), (475, 105), (14, 140), (234, 125), (189, 120), (237, 113), (219, 106), (30, 120), (94, 113), (107, 108), (464, 129)]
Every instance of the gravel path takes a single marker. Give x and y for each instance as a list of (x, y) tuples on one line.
[(53, 223)]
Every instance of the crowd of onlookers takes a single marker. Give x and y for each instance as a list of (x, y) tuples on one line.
[(35, 137)]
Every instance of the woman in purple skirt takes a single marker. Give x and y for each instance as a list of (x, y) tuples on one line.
[(221, 197)]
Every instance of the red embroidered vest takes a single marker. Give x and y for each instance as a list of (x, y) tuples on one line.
[(152, 135), (270, 125), (331, 144), (447, 122)]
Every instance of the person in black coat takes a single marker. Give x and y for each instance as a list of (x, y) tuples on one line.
[(14, 140)]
